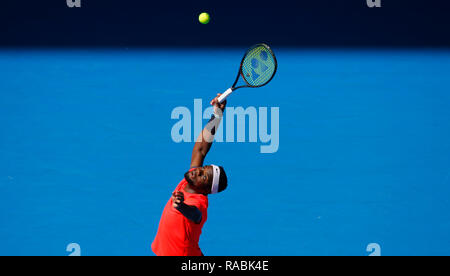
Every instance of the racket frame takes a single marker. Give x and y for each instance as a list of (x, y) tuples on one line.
[(241, 74)]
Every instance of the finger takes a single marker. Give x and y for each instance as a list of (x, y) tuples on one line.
[(216, 99), (223, 105)]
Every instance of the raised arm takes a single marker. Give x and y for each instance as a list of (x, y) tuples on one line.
[(205, 139)]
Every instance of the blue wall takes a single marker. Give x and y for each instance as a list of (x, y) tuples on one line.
[(143, 23)]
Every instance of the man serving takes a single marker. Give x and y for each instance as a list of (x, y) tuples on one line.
[(185, 213)]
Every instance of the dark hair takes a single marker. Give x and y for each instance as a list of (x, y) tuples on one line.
[(223, 180)]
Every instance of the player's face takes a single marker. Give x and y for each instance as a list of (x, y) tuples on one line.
[(200, 179)]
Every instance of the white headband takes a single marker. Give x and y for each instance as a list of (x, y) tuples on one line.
[(216, 177)]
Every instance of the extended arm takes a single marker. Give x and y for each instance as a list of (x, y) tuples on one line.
[(205, 139)]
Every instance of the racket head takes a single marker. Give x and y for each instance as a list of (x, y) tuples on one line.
[(258, 66)]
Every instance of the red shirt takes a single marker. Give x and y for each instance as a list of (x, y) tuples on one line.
[(177, 235)]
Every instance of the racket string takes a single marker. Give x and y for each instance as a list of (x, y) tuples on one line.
[(258, 66)]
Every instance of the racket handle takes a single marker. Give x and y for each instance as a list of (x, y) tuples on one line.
[(225, 95)]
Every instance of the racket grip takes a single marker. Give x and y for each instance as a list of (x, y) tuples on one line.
[(225, 95)]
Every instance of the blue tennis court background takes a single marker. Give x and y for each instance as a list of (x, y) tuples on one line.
[(86, 154)]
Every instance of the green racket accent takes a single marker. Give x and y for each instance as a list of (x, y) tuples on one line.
[(259, 65)]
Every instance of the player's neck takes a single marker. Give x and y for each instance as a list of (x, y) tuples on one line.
[(188, 189)]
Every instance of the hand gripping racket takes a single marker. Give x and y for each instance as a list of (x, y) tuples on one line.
[(258, 67)]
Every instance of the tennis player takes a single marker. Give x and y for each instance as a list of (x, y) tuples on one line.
[(185, 213)]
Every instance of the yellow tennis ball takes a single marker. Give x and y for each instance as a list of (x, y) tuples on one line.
[(204, 18)]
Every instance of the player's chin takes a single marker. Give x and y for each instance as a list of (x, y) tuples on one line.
[(187, 176)]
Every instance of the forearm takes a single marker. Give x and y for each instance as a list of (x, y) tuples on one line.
[(206, 138), (190, 212)]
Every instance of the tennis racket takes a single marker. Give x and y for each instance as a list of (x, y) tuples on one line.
[(258, 67)]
